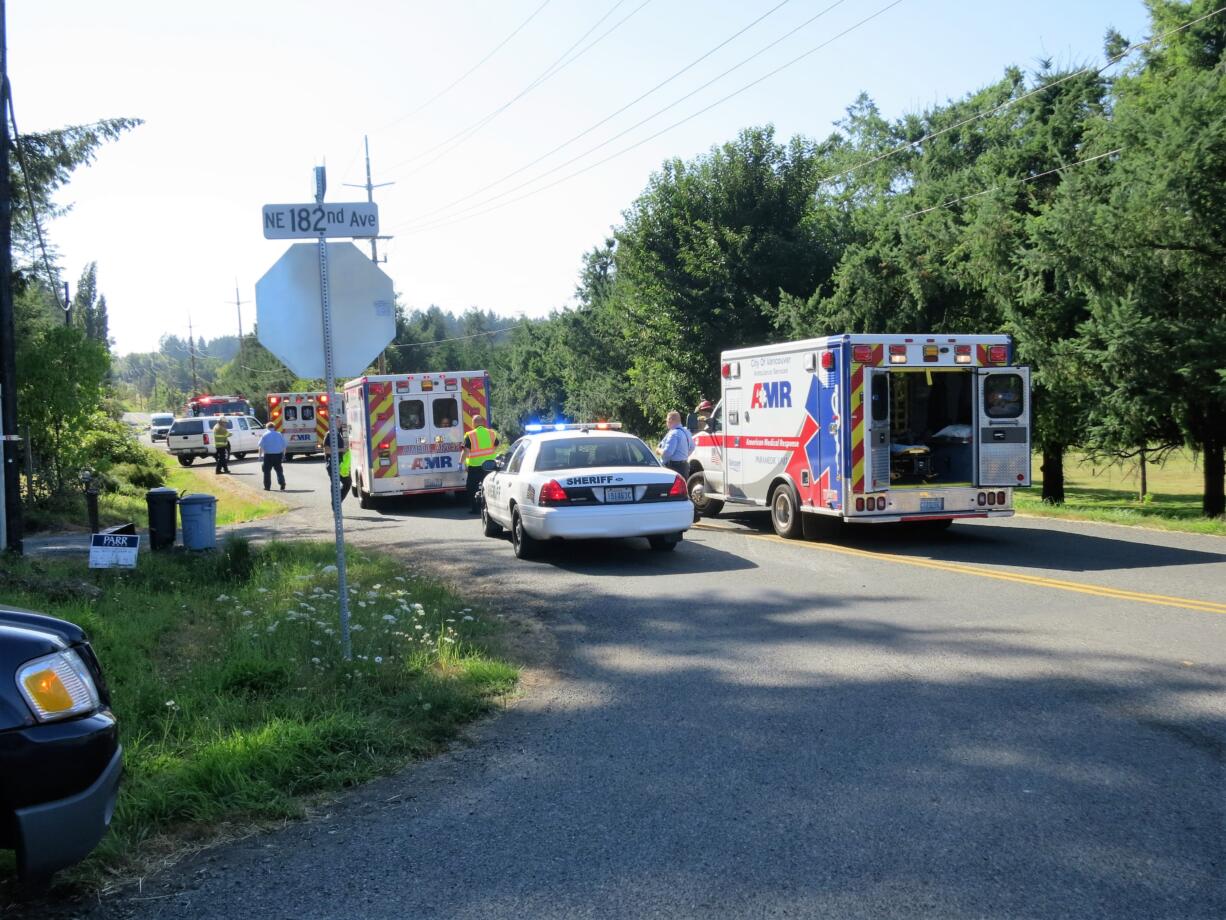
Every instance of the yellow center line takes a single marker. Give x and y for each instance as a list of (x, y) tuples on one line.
[(1141, 597)]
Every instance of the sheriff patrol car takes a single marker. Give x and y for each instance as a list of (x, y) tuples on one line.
[(575, 482)]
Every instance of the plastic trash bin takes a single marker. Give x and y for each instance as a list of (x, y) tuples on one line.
[(163, 524), (199, 514)]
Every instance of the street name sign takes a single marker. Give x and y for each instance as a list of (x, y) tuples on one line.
[(108, 551), (311, 221), (289, 310)]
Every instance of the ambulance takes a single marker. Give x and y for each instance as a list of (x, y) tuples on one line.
[(867, 429), (302, 419), (406, 431)]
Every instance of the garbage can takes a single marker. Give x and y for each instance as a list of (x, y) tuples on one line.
[(163, 526), (199, 513)]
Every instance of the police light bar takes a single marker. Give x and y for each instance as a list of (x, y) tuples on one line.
[(535, 427)]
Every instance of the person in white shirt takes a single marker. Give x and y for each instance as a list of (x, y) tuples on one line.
[(272, 449)]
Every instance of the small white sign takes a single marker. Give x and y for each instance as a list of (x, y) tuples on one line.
[(329, 220), (109, 551)]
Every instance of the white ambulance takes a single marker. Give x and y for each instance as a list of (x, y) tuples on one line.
[(867, 429), (302, 419), (406, 431)]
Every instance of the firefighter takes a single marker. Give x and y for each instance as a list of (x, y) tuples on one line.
[(480, 444), (342, 467), (221, 440)]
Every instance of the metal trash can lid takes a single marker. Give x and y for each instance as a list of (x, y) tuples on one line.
[(198, 498)]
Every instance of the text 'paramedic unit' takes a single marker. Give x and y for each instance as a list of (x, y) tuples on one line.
[(867, 428), (302, 419), (406, 430)]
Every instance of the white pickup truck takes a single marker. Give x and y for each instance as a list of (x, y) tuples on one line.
[(190, 438)]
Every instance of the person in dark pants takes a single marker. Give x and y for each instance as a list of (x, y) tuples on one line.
[(480, 444), (221, 443), (345, 457), (272, 449)]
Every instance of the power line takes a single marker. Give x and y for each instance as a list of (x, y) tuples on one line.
[(988, 191), (468, 73), (639, 143), (610, 117), (1008, 102), (551, 71), (458, 338)]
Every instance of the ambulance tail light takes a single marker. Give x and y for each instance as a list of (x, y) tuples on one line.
[(991, 498), (983, 499), (898, 354), (962, 354), (384, 445), (678, 491), (1000, 498), (880, 502), (206, 440), (998, 354), (860, 503), (552, 493), (862, 354), (323, 399), (273, 400), (827, 360)]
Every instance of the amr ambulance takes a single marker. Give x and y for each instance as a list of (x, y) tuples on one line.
[(867, 429), (406, 431), (302, 418)]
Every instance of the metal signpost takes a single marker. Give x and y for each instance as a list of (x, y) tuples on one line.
[(287, 295)]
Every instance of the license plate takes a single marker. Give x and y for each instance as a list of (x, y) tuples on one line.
[(932, 504), (619, 495)]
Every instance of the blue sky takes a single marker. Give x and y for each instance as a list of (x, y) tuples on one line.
[(241, 100)]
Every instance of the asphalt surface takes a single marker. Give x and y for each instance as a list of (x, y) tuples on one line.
[(1013, 719)]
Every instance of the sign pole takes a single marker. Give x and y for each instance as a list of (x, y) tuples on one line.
[(333, 433)]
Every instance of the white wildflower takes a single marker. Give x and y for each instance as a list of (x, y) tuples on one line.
[(329, 570), (222, 598), (357, 627), (468, 619), (388, 618), (248, 613), (314, 661), (378, 659)]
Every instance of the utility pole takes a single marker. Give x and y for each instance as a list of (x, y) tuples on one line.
[(238, 305), (10, 452), (381, 363), (191, 350), (370, 196)]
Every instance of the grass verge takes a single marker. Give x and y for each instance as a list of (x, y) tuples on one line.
[(1108, 494), (235, 504), (233, 699)]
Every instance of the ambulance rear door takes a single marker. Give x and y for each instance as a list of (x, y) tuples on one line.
[(877, 430), (1002, 426)]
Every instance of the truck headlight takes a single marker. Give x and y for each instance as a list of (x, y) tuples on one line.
[(57, 686)]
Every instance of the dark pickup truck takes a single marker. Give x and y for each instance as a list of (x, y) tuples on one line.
[(60, 757)]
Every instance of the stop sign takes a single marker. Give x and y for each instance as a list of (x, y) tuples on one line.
[(290, 312)]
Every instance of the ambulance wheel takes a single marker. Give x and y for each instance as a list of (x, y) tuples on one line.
[(697, 487), (785, 512), (489, 526), (365, 500), (185, 461), (526, 547)]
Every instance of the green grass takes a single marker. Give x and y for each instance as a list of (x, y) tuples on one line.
[(235, 504), (1108, 493), (234, 701)]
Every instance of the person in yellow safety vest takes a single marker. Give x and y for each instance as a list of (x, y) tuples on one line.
[(342, 467), (221, 441), (480, 444)]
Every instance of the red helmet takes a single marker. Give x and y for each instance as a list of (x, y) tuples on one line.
[(704, 406)]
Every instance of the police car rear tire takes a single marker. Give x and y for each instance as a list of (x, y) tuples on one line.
[(664, 544), (489, 526), (526, 547), (696, 485), (785, 513), (185, 461), (241, 455)]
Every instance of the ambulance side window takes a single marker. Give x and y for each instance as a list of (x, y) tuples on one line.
[(1002, 395), (291, 413), (444, 412), (412, 414), (715, 422), (308, 413)]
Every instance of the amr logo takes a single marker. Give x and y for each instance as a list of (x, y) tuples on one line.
[(431, 463), (773, 394)]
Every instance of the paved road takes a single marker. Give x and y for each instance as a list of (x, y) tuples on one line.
[(1018, 719)]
